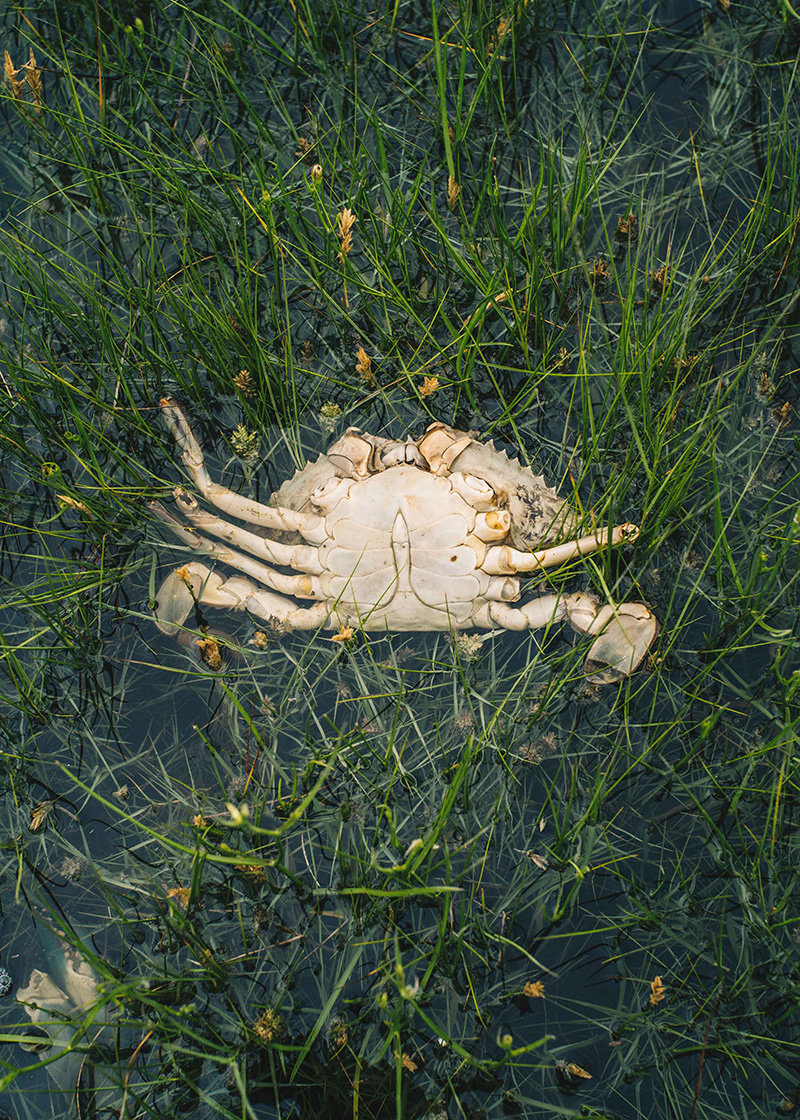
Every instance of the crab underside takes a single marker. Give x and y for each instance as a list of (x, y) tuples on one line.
[(426, 534)]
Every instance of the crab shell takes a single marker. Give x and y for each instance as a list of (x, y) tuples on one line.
[(400, 548)]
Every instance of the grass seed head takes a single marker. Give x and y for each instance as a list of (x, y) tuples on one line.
[(245, 383), (269, 1026), (560, 360), (659, 280), (209, 651), (12, 81), (364, 366), (180, 896), (253, 872), (599, 274), (428, 386), (468, 646), (345, 220), (338, 1032), (39, 815), (346, 635), (627, 231), (329, 413), (570, 1073), (464, 721), (34, 76), (657, 991), (305, 148), (453, 191), (72, 503), (245, 444)]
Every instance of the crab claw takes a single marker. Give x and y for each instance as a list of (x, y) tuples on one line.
[(192, 584), (176, 599), (626, 633)]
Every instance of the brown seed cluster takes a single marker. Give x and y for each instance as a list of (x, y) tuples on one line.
[(346, 635), (599, 274), (269, 1026), (254, 872), (345, 220), (659, 279), (209, 651), (245, 383), (503, 25), (364, 366), (657, 991), (39, 815), (429, 385), (180, 896), (33, 77), (627, 231)]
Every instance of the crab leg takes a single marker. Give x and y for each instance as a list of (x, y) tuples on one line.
[(195, 583), (624, 633), (532, 615), (504, 560), (271, 517), (303, 586), (301, 557)]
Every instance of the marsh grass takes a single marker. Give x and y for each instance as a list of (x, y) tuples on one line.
[(411, 876)]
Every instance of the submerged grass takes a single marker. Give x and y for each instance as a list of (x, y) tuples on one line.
[(411, 876)]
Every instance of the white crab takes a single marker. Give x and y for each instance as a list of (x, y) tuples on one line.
[(426, 534)]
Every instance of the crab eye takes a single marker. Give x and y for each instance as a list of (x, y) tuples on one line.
[(475, 491)]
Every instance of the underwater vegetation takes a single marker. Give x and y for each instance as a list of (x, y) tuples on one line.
[(252, 872)]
